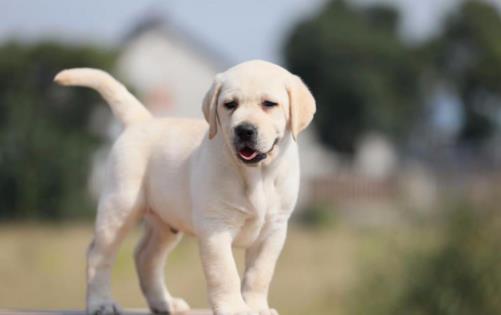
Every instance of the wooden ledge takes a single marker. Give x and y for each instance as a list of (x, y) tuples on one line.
[(77, 312)]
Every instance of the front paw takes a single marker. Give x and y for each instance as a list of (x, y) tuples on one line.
[(259, 303), (103, 308), (173, 306)]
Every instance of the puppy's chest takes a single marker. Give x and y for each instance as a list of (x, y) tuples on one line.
[(263, 206)]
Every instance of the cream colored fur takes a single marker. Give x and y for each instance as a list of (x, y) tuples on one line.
[(183, 176)]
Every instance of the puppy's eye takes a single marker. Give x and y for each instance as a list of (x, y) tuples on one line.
[(269, 104), (231, 104)]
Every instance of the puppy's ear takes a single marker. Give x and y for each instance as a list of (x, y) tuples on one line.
[(209, 105), (301, 104)]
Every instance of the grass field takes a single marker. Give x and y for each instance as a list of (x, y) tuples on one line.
[(42, 267)]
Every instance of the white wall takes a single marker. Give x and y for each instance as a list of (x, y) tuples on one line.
[(152, 61)]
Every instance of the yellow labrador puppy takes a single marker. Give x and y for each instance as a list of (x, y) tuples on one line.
[(231, 182)]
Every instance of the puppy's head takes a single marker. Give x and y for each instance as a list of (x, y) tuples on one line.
[(255, 105)]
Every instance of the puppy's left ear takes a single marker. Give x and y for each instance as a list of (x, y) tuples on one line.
[(209, 105), (302, 105)]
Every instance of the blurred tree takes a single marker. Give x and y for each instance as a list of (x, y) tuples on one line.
[(468, 55), (363, 77), (45, 142), (366, 79)]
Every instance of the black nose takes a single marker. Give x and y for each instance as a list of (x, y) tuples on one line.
[(246, 132)]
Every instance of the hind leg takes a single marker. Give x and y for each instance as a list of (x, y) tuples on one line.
[(121, 204), (158, 241), (117, 212)]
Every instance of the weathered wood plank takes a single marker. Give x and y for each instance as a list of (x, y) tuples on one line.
[(79, 312)]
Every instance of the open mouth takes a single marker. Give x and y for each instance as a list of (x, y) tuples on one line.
[(250, 155)]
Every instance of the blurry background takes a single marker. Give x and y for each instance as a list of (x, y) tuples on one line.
[(399, 210)]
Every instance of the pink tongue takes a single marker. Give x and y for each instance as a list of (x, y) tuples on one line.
[(247, 154)]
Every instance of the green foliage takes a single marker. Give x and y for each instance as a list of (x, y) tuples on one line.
[(366, 79), (361, 74), (468, 55), (45, 144), (460, 277), (317, 215)]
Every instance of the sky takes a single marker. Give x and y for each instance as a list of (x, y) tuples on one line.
[(238, 30)]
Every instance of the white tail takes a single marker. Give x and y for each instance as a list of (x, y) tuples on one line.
[(123, 104)]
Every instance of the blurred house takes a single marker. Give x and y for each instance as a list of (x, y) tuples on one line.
[(170, 70)]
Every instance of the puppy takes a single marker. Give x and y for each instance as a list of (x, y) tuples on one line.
[(231, 180)]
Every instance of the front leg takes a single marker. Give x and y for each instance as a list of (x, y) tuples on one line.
[(223, 281), (260, 265)]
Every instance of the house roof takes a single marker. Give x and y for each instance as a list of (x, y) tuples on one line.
[(159, 21)]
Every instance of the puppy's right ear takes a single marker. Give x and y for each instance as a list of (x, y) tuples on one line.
[(209, 106)]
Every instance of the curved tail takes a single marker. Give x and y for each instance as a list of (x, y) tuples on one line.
[(123, 104)]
